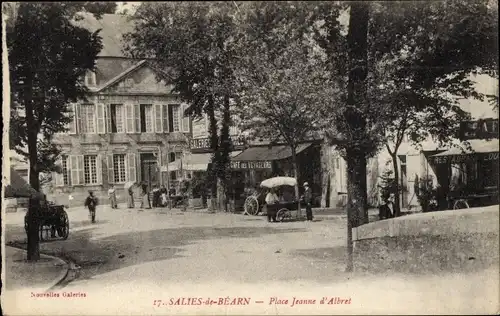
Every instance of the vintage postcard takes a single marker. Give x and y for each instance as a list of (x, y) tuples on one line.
[(250, 158)]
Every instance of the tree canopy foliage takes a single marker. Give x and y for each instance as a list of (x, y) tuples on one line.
[(48, 56)]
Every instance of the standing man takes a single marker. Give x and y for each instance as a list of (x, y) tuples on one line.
[(91, 203), (308, 201), (271, 200)]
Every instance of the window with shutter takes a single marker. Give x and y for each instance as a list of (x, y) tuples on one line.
[(185, 119), (174, 118), (72, 114), (119, 168), (158, 118), (75, 175), (101, 122), (130, 118), (87, 119), (99, 169), (108, 118), (137, 117), (66, 170), (132, 170), (79, 120), (109, 166), (81, 174), (165, 117)]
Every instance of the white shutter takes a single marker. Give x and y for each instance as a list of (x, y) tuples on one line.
[(130, 118), (72, 115), (78, 115), (185, 119), (99, 169), (94, 117), (158, 118), (131, 167), (79, 167), (124, 118), (110, 168), (101, 122), (108, 118), (165, 117), (75, 179), (58, 179), (137, 117)]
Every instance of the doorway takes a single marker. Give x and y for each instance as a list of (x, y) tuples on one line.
[(149, 170)]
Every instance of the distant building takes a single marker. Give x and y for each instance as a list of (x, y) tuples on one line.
[(131, 125)]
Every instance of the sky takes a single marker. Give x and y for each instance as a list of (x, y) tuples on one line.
[(130, 6)]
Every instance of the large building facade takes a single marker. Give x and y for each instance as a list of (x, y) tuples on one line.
[(130, 125)]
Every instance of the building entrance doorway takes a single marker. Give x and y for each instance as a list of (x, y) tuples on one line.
[(149, 170)]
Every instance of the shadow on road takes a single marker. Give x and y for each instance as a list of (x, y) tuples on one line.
[(98, 256)]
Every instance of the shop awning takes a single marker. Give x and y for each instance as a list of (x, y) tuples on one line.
[(479, 146), (268, 153), (18, 187), (193, 162)]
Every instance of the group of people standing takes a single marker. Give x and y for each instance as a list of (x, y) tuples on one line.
[(159, 198)]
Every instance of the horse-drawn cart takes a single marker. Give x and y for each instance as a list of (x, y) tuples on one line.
[(255, 203), (53, 221)]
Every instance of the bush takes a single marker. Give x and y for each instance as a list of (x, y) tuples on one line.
[(426, 193), (388, 184)]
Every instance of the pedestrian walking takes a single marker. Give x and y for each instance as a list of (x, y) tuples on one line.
[(131, 197), (91, 202), (308, 201), (271, 201), (112, 197)]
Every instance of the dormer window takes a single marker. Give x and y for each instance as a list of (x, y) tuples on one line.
[(90, 80)]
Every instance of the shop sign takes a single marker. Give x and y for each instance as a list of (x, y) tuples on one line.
[(491, 156), (251, 165), (480, 129), (463, 158), (204, 143)]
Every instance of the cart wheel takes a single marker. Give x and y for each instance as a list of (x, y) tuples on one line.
[(283, 215), (460, 204), (63, 228), (251, 205)]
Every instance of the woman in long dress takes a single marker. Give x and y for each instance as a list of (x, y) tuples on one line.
[(145, 197), (112, 197), (130, 198)]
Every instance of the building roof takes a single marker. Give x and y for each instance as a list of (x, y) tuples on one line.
[(113, 27)]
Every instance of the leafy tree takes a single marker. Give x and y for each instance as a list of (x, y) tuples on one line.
[(193, 46), (423, 64), (48, 55), (283, 84)]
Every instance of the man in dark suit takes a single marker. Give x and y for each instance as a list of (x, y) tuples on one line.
[(308, 201), (386, 209)]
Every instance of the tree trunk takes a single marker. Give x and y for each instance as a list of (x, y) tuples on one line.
[(33, 221), (214, 145), (356, 188), (296, 175), (397, 198), (356, 153), (33, 248), (221, 196)]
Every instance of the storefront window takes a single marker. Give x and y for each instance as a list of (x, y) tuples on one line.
[(489, 172)]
